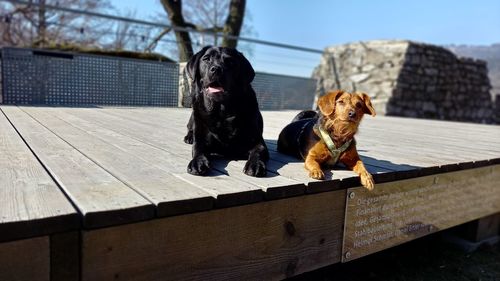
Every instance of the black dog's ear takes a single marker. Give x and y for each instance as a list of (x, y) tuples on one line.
[(246, 70), (194, 62)]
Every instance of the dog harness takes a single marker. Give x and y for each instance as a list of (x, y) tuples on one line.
[(334, 151)]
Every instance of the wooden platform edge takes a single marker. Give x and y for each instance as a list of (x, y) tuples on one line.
[(54, 257), (25, 260), (351, 182), (269, 240)]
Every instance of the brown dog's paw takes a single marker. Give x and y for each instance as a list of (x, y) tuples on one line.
[(317, 174), (367, 181), (255, 168), (199, 166)]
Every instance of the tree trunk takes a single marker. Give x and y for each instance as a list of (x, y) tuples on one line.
[(234, 22), (42, 25), (174, 11)]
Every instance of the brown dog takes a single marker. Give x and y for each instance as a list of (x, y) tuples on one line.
[(327, 137)]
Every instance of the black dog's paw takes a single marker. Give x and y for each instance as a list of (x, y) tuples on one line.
[(199, 166), (255, 168), (189, 137)]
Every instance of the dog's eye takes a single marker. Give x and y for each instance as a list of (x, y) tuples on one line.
[(358, 105), (205, 58), (340, 102)]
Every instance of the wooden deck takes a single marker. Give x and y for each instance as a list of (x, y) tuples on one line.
[(103, 194)]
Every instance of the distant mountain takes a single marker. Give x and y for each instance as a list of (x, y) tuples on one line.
[(491, 54)]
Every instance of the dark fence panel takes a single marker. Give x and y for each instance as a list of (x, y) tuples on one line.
[(276, 92), (1, 79), (36, 77), (54, 78)]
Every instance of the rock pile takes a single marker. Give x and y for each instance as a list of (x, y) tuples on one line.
[(410, 79)]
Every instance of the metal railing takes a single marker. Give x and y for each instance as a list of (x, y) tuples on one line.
[(163, 25), (284, 90)]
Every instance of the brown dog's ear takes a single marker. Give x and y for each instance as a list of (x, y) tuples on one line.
[(367, 108), (326, 103)]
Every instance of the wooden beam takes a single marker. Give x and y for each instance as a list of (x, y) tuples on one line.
[(65, 256), (268, 240), (27, 259), (482, 229)]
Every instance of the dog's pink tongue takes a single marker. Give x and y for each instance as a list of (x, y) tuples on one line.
[(215, 90)]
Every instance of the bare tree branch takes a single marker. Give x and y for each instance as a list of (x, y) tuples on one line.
[(30, 24), (174, 11), (215, 17), (155, 41)]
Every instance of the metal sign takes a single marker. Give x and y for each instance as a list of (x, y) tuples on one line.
[(397, 212)]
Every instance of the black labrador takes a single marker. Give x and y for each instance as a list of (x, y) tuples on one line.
[(226, 119)]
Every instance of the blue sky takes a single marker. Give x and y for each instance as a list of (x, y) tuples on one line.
[(317, 24), (321, 23)]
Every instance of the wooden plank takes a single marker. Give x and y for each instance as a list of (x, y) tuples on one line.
[(273, 185), (102, 199), (158, 117), (65, 256), (294, 168), (401, 211), (412, 154), (372, 165), (417, 142), (295, 171), (228, 190), (276, 123), (441, 124), (265, 241), (25, 260), (457, 136), (463, 133), (381, 158), (457, 133), (31, 204), (291, 169), (170, 194), (482, 229), (431, 142), (149, 131), (417, 129), (337, 177)]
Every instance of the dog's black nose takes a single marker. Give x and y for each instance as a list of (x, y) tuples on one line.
[(214, 69), (352, 113)]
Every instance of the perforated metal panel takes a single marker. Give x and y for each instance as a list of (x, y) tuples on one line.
[(1, 80), (283, 92), (52, 78)]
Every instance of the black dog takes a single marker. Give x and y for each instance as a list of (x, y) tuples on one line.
[(226, 119)]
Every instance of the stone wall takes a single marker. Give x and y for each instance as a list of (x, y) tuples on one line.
[(405, 78)]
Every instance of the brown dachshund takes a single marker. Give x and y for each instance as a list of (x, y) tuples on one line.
[(327, 137)]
